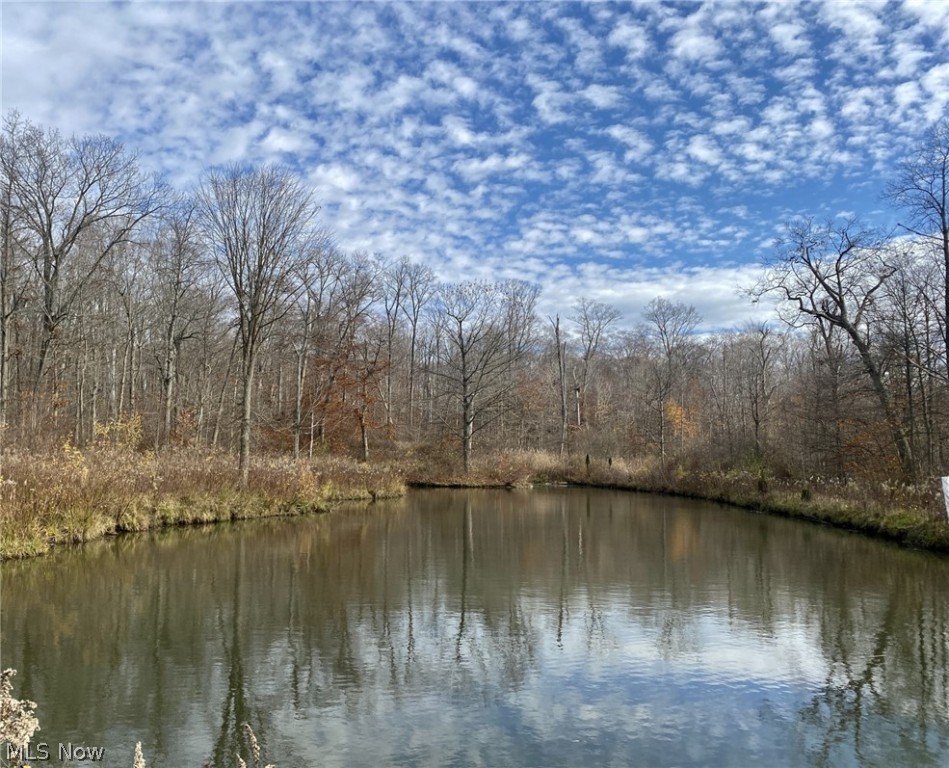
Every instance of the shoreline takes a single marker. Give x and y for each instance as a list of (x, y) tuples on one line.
[(51, 501), (169, 493), (906, 530)]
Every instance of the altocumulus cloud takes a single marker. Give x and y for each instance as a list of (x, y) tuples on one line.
[(615, 151)]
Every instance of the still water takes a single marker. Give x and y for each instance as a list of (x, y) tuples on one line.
[(560, 627)]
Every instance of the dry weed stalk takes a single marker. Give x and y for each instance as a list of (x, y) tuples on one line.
[(18, 723), (254, 746), (254, 749), (18, 720)]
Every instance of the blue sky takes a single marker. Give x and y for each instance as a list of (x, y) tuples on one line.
[(618, 151)]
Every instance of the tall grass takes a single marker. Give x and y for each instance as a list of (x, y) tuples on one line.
[(78, 495), (913, 515), (18, 720), (910, 514)]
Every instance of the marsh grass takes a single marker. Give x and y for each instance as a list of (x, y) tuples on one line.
[(74, 496), (77, 495), (426, 467), (912, 515)]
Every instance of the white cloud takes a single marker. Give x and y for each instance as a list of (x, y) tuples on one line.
[(704, 149), (450, 75), (337, 178), (695, 46), (458, 130), (282, 141), (731, 126), (936, 83), (907, 56), (930, 15), (907, 95), (821, 129), (526, 138), (601, 96), (477, 168), (637, 143), (790, 37), (859, 23), (632, 37)]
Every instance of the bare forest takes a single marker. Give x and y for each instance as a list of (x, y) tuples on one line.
[(225, 318)]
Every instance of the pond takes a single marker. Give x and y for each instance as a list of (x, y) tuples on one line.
[(546, 627)]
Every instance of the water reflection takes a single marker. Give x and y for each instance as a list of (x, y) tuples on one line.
[(492, 628)]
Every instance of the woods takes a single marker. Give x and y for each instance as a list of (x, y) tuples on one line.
[(225, 316)]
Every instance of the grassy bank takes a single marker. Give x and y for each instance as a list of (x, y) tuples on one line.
[(75, 496), (911, 515)]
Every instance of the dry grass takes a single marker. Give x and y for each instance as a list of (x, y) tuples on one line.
[(255, 759), (18, 725), (18, 720), (436, 466), (75, 496), (913, 515)]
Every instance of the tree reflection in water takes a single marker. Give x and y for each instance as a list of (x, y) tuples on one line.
[(547, 627)]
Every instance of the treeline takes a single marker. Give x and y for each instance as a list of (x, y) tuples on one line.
[(226, 317)]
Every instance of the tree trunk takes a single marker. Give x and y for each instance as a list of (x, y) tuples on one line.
[(220, 400), (298, 402), (169, 387), (4, 367), (467, 438), (662, 434), (562, 380), (904, 448), (364, 433), (247, 397), (412, 344)]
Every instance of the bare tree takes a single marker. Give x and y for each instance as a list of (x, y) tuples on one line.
[(913, 332), (14, 258), (368, 364), (394, 278), (82, 196), (484, 326), (354, 296), (301, 336), (831, 274), (759, 345), (125, 276), (922, 188), (669, 326), (561, 380), (177, 269), (592, 319), (258, 225), (320, 277), (419, 286)]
